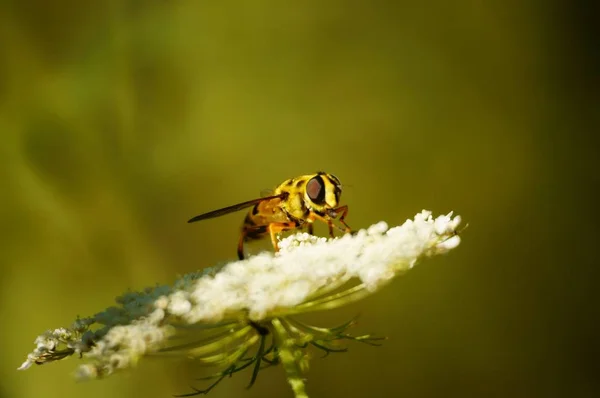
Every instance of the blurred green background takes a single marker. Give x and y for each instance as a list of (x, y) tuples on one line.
[(121, 119)]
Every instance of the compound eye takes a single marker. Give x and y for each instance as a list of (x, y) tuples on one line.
[(315, 189)]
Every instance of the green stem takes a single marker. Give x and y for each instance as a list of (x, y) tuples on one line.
[(286, 354)]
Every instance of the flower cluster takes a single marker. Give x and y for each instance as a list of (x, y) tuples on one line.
[(219, 315)]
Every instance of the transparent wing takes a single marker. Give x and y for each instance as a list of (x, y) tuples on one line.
[(266, 192)]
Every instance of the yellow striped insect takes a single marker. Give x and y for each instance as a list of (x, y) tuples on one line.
[(294, 204)]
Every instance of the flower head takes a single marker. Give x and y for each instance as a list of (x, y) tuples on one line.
[(218, 315)]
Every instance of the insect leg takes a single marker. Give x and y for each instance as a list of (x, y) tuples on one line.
[(344, 211), (330, 226), (276, 227), (240, 247), (310, 228), (249, 232), (314, 216)]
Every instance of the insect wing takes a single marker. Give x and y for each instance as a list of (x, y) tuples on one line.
[(265, 193), (234, 208)]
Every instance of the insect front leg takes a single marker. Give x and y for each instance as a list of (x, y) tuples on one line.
[(344, 212), (330, 227), (310, 222), (314, 216)]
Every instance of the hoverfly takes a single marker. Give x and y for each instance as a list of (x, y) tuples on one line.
[(296, 203)]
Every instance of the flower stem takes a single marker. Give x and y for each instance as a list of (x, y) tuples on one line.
[(286, 354)]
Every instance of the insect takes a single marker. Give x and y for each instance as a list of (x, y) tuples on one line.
[(296, 203)]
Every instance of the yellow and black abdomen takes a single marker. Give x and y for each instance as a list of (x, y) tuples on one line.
[(252, 231)]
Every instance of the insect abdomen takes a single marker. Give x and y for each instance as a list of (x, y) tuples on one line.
[(251, 230)]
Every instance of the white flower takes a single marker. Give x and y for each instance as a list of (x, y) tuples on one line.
[(301, 277)]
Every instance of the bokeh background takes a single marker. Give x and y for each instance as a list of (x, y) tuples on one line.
[(121, 119)]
